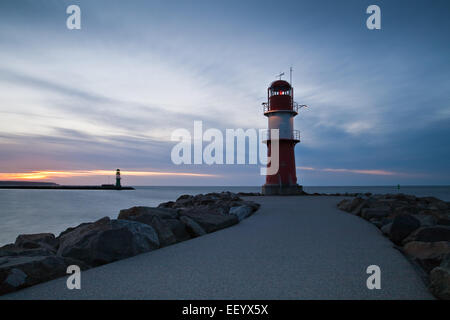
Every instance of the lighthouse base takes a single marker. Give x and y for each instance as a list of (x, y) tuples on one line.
[(270, 189)]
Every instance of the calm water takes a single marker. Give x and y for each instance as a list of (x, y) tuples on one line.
[(35, 211)]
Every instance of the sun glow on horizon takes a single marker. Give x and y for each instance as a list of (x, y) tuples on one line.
[(46, 174)]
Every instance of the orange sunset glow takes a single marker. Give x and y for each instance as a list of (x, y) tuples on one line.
[(45, 174)]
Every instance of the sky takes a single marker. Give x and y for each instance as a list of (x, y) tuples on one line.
[(77, 104)]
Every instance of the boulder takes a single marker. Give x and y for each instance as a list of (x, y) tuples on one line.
[(426, 220), (241, 212), (248, 194), (377, 213), (255, 206), (358, 209), (163, 213), (443, 222), (193, 227), (178, 229), (344, 204), (402, 226), (108, 240), (430, 234), (39, 240), (445, 263), (211, 222), (11, 250), (427, 250), (165, 235), (440, 282), (386, 229), (20, 271)]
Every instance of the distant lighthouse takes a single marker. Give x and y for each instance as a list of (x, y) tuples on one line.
[(280, 109), (118, 178)]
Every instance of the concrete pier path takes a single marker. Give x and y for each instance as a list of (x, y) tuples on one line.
[(292, 248)]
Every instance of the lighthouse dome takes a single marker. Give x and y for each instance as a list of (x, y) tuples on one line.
[(280, 83)]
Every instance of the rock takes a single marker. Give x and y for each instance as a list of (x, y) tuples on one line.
[(212, 222), (426, 220), (108, 240), (168, 204), (20, 272), (165, 235), (163, 213), (344, 205), (430, 234), (255, 206), (39, 240), (358, 209), (443, 222), (386, 229), (12, 250), (402, 226), (378, 213), (354, 203), (248, 194), (427, 250), (376, 222), (241, 212), (193, 227), (16, 278), (178, 229), (445, 263), (440, 282)]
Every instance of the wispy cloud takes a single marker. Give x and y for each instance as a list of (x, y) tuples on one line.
[(358, 171)]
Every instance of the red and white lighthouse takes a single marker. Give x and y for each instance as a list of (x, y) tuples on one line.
[(280, 109)]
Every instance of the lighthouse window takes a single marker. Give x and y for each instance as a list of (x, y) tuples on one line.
[(279, 92)]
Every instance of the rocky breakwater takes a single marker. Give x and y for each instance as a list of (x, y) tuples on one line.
[(35, 258), (418, 226)]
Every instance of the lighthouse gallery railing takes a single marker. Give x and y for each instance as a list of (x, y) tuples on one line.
[(295, 107)]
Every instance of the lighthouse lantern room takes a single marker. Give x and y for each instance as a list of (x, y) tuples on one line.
[(280, 109)]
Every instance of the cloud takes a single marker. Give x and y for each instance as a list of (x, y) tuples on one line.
[(375, 172)]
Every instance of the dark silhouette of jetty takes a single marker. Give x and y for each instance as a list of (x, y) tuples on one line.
[(54, 186)]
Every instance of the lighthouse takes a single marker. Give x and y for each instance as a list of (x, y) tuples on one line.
[(280, 109), (118, 185)]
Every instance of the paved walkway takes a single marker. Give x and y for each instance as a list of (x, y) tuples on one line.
[(292, 248)]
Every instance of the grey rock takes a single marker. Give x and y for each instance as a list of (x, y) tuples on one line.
[(108, 240), (178, 229), (443, 221), (358, 209), (193, 227), (13, 250), (39, 240), (163, 213), (16, 278), (344, 205), (430, 234), (212, 222), (402, 226), (165, 235), (427, 250), (386, 229), (241, 212), (440, 283), (378, 213), (426, 220), (18, 272)]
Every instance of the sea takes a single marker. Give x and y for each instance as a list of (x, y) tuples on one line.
[(35, 211)]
